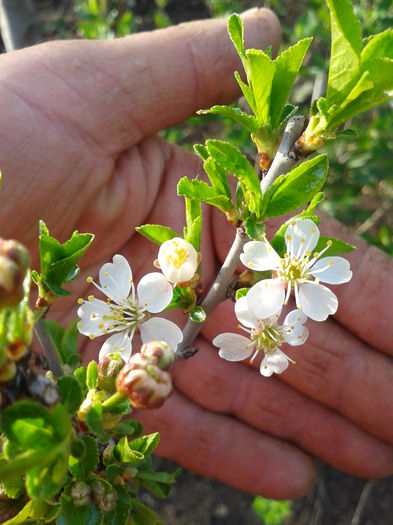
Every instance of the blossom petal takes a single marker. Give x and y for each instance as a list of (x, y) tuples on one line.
[(121, 343), (274, 362), (154, 292), (259, 256), (295, 335), (332, 270), (116, 278), (266, 298), (316, 301), (91, 315), (178, 260), (244, 314), (295, 317), (159, 329), (301, 235), (233, 347)]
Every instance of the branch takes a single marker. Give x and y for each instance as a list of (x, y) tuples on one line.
[(216, 294), (17, 23), (49, 349), (282, 160)]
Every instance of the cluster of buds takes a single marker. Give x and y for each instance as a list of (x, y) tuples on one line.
[(15, 321), (145, 380)]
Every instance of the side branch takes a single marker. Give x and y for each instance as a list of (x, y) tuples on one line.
[(282, 160), (50, 351), (216, 293)]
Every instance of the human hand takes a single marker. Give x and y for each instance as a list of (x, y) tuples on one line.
[(77, 150)]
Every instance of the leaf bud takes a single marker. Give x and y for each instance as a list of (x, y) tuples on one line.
[(92, 397), (80, 494), (144, 383), (7, 371), (160, 353), (108, 369)]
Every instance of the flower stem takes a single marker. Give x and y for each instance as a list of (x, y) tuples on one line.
[(113, 401), (49, 349), (215, 295)]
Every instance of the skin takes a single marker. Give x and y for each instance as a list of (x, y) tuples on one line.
[(78, 148)]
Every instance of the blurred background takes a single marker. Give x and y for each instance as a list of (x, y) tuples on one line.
[(359, 193)]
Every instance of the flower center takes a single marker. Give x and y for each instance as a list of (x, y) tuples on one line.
[(293, 269), (266, 338), (178, 256)]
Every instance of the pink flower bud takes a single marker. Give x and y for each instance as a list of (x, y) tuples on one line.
[(11, 283), (144, 383), (160, 353)]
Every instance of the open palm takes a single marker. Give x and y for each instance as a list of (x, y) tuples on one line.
[(78, 149)]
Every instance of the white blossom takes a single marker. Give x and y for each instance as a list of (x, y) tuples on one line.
[(127, 309), (299, 270), (265, 335), (178, 260)]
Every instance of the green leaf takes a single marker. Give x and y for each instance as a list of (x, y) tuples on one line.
[(58, 261), (198, 314), (143, 515), (28, 424), (287, 65), (254, 229), (13, 488), (22, 516), (379, 46), (92, 375), (94, 418), (80, 374), (184, 298), (157, 233), (247, 92), (129, 427), (288, 112), (345, 52), (126, 454), (262, 71), (45, 482), (297, 187), (242, 292), (71, 393), (159, 483), (70, 513), (193, 230), (82, 467), (200, 191), (236, 33), (201, 150), (315, 201), (113, 471), (217, 177), (247, 121), (119, 516), (70, 341), (145, 444), (337, 246), (232, 160)]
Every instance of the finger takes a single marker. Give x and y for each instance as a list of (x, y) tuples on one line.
[(334, 368), (116, 92), (223, 448), (273, 407)]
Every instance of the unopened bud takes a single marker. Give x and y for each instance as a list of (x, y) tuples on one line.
[(160, 353), (91, 398), (145, 385), (232, 217), (16, 252), (17, 350), (80, 494), (11, 283), (106, 500), (108, 369)]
